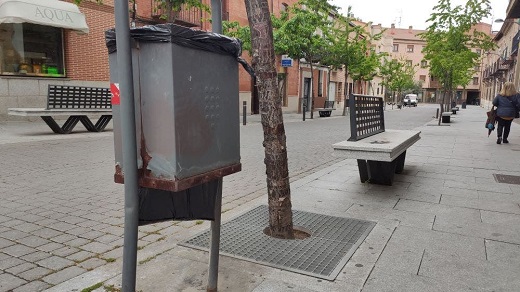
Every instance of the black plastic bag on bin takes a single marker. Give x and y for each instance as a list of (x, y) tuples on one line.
[(183, 36), (197, 202)]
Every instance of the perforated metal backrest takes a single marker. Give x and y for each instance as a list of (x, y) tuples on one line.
[(366, 116), (78, 97)]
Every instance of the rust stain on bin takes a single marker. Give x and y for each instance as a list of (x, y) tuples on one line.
[(148, 180), (178, 185)]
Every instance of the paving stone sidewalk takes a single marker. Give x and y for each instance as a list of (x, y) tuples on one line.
[(445, 224)]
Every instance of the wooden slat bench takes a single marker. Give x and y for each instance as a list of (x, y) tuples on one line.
[(76, 102), (327, 108), (380, 153)]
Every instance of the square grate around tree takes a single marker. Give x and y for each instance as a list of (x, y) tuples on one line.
[(332, 242), (507, 179)]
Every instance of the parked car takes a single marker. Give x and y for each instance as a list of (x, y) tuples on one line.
[(410, 100)]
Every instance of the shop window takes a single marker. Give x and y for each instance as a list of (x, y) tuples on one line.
[(31, 50)]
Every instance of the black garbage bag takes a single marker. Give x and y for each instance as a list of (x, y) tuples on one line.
[(197, 202), (183, 36)]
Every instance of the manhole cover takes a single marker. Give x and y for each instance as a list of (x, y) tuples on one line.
[(323, 255), (507, 179)]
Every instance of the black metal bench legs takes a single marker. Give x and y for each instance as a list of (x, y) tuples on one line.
[(72, 121), (100, 124), (380, 172), (325, 113)]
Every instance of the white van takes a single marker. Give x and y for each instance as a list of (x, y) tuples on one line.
[(410, 100)]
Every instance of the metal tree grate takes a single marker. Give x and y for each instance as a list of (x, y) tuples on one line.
[(333, 241), (507, 179)]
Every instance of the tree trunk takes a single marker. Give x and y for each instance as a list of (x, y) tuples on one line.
[(345, 89), (279, 192)]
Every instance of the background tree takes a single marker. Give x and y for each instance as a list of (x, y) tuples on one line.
[(349, 48), (302, 34), (397, 76), (367, 68), (450, 41)]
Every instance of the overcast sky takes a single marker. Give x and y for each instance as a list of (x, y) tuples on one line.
[(407, 12)]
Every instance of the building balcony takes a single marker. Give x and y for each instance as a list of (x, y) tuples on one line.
[(508, 61), (189, 17), (434, 84)]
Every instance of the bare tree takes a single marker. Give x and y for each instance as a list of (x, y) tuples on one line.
[(275, 148)]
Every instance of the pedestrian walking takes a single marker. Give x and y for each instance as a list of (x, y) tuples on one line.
[(508, 105)]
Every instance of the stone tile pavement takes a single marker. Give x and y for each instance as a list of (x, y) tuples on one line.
[(445, 224)]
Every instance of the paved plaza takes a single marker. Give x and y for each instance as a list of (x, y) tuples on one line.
[(445, 225)]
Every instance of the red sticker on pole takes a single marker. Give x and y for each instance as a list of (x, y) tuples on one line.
[(114, 89)]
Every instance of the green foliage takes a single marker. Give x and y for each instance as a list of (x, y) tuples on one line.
[(302, 32), (243, 33), (350, 48), (398, 75), (93, 287), (450, 40), (170, 7)]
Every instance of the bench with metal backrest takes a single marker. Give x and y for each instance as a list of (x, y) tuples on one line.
[(76, 102), (454, 110), (327, 108), (380, 153)]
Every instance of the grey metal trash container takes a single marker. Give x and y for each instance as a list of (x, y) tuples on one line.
[(187, 107)]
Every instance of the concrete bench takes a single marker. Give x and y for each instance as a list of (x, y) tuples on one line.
[(327, 108), (446, 117), (379, 153), (379, 156), (75, 102)]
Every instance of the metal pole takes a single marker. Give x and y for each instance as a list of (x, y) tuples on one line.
[(215, 242), (216, 25), (124, 63), (244, 111)]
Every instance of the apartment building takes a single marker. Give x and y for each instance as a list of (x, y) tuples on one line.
[(499, 65), (407, 45)]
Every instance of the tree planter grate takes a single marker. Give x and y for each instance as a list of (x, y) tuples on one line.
[(332, 242), (507, 179)]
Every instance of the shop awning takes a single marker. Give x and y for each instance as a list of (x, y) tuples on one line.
[(49, 12)]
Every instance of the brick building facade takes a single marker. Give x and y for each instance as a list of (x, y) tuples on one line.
[(85, 59)]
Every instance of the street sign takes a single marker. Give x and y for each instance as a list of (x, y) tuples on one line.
[(286, 61)]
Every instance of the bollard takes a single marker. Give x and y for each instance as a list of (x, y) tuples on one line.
[(244, 111), (437, 114), (303, 111)]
